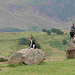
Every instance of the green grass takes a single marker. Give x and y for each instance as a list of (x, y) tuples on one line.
[(9, 41), (66, 67), (56, 44), (55, 63)]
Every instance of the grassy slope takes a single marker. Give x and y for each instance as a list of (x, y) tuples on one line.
[(9, 44), (66, 67), (9, 41)]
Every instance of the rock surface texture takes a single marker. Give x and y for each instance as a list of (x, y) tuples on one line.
[(70, 52), (27, 56)]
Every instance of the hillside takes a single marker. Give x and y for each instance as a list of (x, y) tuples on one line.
[(15, 15), (35, 15), (55, 63), (11, 29), (61, 11), (9, 42)]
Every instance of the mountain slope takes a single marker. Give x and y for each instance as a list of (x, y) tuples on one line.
[(62, 9), (30, 14)]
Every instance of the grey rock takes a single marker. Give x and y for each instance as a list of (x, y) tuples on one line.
[(27, 56), (70, 52)]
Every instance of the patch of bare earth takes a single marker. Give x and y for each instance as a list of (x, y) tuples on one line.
[(55, 58), (4, 68), (3, 62)]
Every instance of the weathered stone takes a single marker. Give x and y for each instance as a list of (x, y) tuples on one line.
[(70, 52), (27, 56)]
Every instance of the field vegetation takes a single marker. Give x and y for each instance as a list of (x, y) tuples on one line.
[(53, 47)]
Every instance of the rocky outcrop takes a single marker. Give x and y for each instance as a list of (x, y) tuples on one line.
[(27, 56)]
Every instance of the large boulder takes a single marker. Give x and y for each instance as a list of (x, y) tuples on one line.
[(27, 56), (70, 52)]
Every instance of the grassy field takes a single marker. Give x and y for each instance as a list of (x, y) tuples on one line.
[(65, 67), (55, 63), (49, 43)]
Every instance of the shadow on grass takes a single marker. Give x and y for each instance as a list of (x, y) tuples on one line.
[(21, 64), (42, 63), (15, 65), (69, 58)]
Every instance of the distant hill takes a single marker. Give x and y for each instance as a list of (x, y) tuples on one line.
[(2, 31), (36, 14), (59, 10), (11, 30)]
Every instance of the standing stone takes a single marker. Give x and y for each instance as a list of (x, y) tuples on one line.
[(70, 52)]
